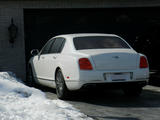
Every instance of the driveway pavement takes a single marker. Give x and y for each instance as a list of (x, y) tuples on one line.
[(114, 105)]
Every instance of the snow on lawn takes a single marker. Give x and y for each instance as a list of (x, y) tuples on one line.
[(19, 102)]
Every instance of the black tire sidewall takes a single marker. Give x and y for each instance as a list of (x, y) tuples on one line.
[(63, 93)]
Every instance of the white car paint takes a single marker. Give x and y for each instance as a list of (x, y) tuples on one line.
[(104, 65)]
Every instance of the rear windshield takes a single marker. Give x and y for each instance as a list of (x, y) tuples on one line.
[(98, 42)]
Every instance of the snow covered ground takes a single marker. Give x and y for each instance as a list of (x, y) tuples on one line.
[(19, 102)]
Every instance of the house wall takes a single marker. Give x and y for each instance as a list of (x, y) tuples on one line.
[(12, 58)]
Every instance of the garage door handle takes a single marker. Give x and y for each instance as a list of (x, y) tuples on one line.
[(54, 57)]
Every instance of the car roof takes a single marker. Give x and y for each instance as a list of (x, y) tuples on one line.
[(85, 34)]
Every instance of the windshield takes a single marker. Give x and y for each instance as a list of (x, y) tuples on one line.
[(99, 42)]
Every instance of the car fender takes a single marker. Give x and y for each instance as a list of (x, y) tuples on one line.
[(69, 67)]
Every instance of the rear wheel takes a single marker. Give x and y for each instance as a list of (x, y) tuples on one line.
[(132, 90), (61, 89)]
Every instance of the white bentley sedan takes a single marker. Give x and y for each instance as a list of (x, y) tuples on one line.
[(74, 61)]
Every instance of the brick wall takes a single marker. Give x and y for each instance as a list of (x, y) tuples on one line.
[(13, 58)]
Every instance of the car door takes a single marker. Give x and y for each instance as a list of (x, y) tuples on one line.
[(41, 61), (55, 53)]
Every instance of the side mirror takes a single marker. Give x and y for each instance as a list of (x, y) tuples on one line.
[(34, 52)]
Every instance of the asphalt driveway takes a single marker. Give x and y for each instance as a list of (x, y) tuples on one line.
[(114, 105)]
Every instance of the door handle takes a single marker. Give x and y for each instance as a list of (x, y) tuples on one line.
[(43, 57)]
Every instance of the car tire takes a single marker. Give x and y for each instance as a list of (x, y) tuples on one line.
[(133, 91), (61, 88), (30, 78)]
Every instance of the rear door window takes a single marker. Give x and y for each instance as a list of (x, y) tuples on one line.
[(99, 42), (46, 48), (58, 45)]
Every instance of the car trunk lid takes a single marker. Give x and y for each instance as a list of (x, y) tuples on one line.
[(113, 59)]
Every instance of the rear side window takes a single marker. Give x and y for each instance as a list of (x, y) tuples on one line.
[(57, 46), (46, 48), (99, 42)]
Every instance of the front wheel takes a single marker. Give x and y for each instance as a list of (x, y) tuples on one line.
[(61, 89), (30, 78)]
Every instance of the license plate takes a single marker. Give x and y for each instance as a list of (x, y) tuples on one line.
[(119, 77)]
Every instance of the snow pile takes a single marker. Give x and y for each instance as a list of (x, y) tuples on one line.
[(19, 102)]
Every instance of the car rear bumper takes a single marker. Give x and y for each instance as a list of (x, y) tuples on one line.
[(75, 85), (87, 78), (114, 85)]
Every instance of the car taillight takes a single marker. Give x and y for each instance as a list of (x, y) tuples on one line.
[(85, 64), (143, 62)]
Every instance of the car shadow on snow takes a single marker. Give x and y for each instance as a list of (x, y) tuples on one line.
[(45, 89)]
